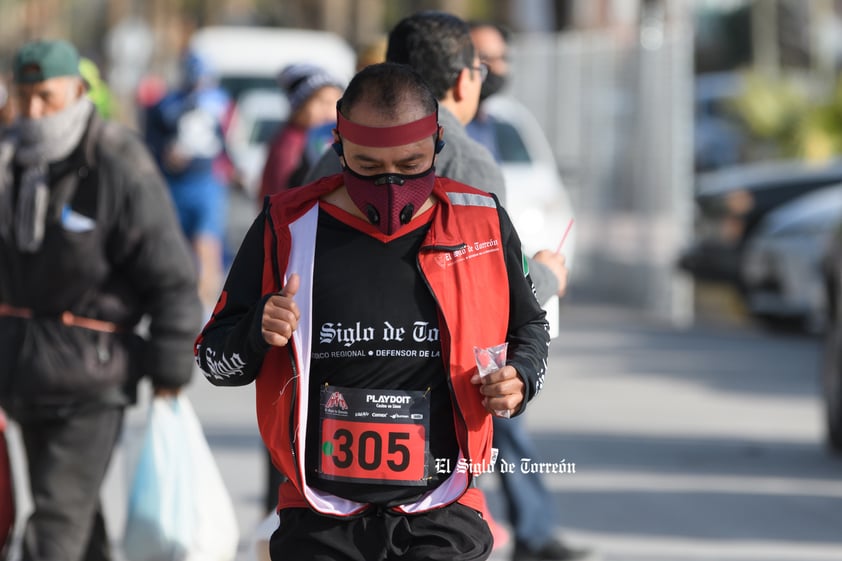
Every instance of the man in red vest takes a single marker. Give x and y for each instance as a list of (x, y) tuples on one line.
[(356, 303)]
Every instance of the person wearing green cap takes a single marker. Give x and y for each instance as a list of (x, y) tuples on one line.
[(89, 245)]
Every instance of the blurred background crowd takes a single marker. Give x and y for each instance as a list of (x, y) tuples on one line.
[(697, 141), (635, 109), (676, 128)]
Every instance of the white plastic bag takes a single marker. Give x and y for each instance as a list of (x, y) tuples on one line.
[(7, 492), (179, 508)]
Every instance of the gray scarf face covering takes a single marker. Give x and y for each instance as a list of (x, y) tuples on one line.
[(34, 144)]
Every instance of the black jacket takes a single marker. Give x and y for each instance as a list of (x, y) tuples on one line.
[(112, 251)]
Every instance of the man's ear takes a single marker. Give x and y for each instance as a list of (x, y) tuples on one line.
[(79, 88), (459, 91), (337, 146)]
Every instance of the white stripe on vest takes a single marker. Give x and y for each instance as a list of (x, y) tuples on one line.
[(471, 199)]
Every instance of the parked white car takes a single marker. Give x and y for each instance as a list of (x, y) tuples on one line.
[(536, 198), (257, 116), (782, 264), (247, 60)]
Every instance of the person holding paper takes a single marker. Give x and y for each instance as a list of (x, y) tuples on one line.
[(354, 303)]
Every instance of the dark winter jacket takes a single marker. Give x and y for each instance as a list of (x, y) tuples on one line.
[(112, 251)]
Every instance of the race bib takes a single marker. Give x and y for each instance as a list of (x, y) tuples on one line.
[(374, 436)]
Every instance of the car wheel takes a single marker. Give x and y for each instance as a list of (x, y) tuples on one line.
[(832, 387), (780, 324)]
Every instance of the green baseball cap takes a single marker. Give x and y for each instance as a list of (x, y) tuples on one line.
[(41, 60)]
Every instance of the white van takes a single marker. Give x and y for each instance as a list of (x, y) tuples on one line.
[(247, 61), (251, 57)]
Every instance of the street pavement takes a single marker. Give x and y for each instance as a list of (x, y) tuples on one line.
[(698, 444), (689, 444)]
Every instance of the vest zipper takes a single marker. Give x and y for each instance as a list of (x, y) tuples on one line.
[(457, 408), (276, 273)]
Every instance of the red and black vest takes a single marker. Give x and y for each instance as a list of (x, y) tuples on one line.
[(462, 260)]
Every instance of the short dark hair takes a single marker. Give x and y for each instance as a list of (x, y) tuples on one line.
[(436, 44), (504, 31), (388, 86)]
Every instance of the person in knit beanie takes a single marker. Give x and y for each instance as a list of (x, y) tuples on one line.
[(312, 94)]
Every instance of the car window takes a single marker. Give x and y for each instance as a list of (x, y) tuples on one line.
[(236, 85), (510, 145), (264, 130)]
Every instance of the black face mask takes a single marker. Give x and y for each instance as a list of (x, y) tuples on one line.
[(493, 83)]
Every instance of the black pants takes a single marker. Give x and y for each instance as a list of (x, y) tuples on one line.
[(68, 457), (453, 533)]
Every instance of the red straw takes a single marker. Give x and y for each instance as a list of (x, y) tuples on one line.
[(564, 237)]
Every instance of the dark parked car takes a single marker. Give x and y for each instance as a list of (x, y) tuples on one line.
[(782, 274), (732, 202), (831, 373)]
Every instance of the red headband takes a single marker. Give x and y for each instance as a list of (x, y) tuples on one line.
[(380, 137)]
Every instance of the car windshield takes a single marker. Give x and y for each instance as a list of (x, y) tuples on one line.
[(510, 145), (264, 130), (237, 85)]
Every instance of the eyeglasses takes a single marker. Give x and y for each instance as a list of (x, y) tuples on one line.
[(490, 59), (483, 71)]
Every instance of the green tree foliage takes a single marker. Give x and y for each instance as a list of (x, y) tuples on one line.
[(780, 115)]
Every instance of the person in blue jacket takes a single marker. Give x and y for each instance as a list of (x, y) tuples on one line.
[(184, 133)]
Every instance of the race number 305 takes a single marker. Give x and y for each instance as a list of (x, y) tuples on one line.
[(374, 436)]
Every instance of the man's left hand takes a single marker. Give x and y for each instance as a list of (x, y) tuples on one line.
[(503, 390), (557, 264)]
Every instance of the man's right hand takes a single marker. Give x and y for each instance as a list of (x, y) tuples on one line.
[(281, 314), (555, 262)]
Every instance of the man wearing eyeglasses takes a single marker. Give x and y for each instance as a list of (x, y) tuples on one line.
[(529, 505), (439, 47)]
